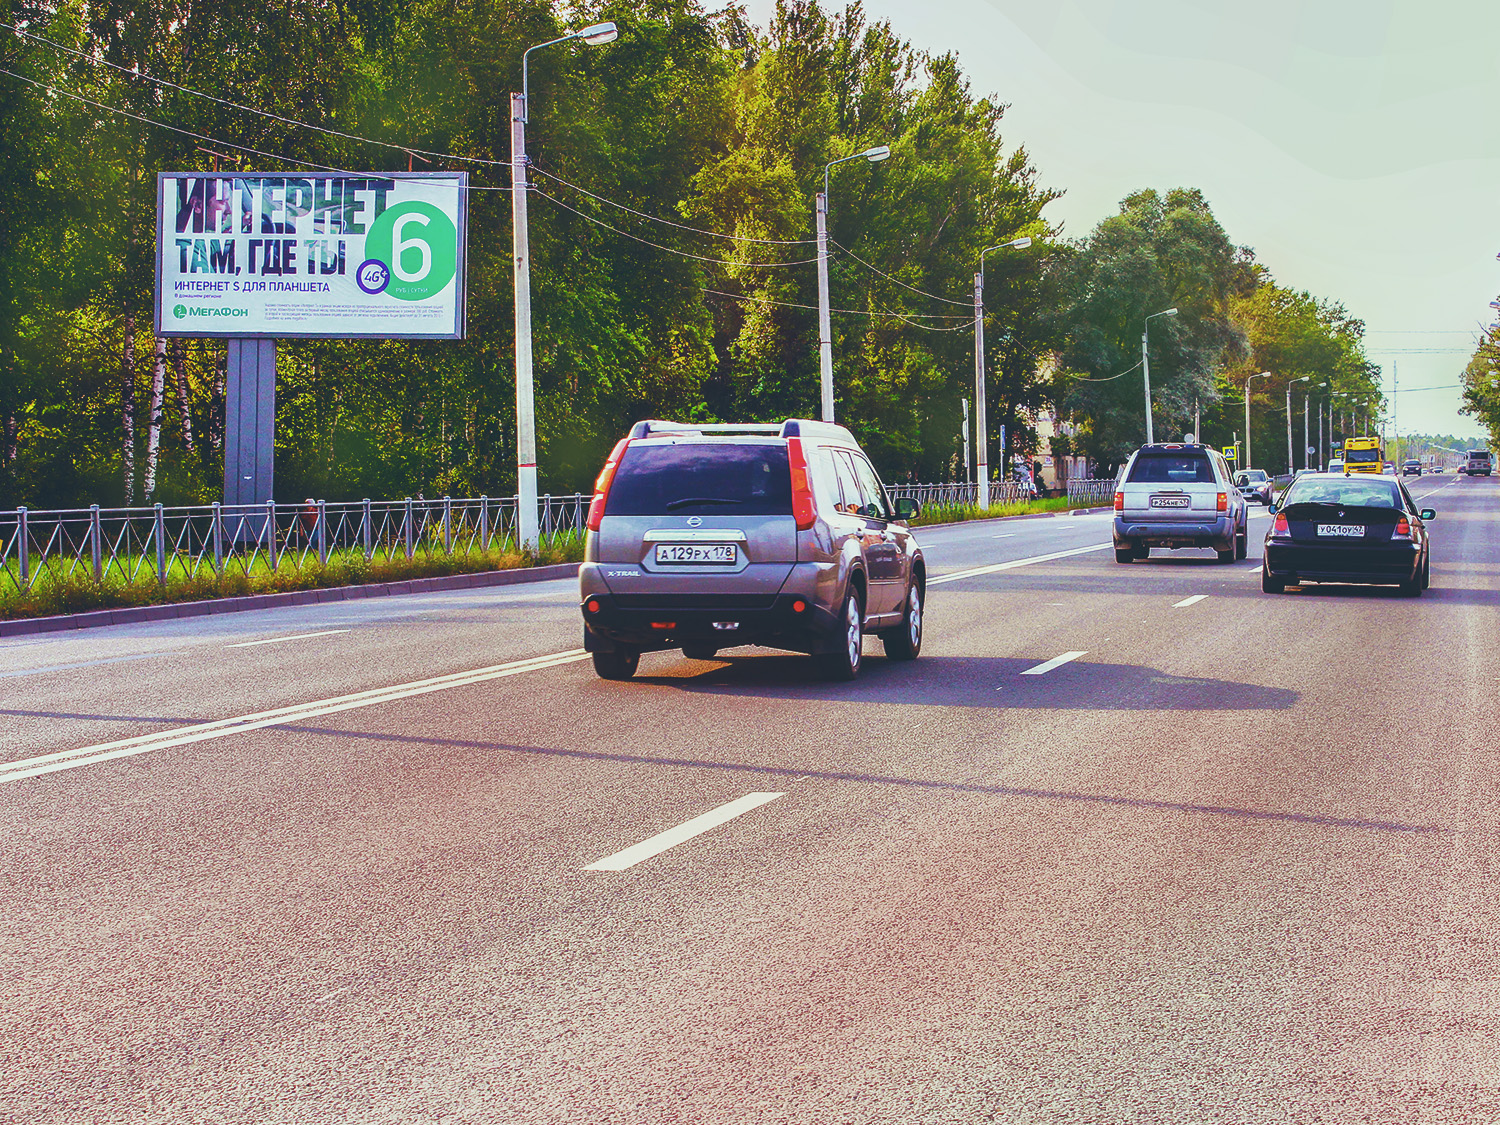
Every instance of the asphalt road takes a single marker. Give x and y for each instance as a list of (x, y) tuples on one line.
[(1233, 859)]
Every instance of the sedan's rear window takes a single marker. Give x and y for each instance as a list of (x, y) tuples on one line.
[(702, 478), (1362, 493), (1171, 468)]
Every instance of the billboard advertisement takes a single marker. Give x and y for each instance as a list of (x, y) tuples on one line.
[(331, 255)]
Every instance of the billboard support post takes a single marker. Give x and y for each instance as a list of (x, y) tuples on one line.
[(249, 429)]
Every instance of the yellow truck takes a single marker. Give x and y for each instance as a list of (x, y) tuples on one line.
[(1363, 455)]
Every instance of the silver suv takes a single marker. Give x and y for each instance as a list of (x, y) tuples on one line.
[(1178, 495), (708, 537)]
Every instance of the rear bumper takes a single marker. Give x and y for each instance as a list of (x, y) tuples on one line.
[(1218, 534), (650, 622), (1324, 563)]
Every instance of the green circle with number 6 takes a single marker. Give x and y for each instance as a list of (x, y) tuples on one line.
[(420, 245)]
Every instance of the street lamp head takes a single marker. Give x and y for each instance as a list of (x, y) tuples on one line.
[(596, 35), (877, 154), (1019, 243), (1170, 312)]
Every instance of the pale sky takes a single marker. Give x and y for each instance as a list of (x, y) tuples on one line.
[(1352, 143)]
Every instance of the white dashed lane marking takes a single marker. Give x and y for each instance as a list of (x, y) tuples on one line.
[(1056, 662), (659, 843)]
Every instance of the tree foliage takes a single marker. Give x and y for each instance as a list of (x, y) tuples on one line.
[(694, 300)]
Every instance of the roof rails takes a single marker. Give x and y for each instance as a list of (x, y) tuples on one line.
[(792, 427)]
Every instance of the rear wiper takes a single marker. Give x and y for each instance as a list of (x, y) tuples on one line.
[(686, 500)]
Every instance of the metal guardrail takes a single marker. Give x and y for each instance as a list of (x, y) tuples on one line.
[(1001, 492), (1091, 491), (97, 545)]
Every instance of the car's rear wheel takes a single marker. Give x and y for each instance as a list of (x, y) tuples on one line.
[(1124, 554), (1230, 555), (1242, 544), (844, 662), (1140, 551), (1269, 585), (618, 665), (1426, 573), (905, 641), (700, 652), (1412, 587)]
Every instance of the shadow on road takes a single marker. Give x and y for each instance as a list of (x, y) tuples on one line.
[(970, 681), (803, 773)]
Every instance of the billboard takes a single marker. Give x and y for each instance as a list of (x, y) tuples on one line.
[(332, 255)]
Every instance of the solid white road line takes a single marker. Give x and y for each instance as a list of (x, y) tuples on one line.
[(293, 637), (1012, 535), (1056, 662), (685, 831), (1194, 600), (1015, 563), (221, 728)]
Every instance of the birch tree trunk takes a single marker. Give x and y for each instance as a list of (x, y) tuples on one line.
[(127, 408), (179, 372), (216, 404), (153, 418)]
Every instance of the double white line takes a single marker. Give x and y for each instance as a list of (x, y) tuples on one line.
[(222, 728)]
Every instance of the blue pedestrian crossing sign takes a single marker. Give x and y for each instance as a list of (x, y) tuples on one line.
[(1231, 453)]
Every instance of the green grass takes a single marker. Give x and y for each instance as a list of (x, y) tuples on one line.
[(53, 592), (957, 513)]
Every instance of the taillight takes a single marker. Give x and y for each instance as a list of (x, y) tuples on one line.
[(1403, 529), (1223, 501), (802, 495), (1119, 501), (601, 485), (1280, 529)]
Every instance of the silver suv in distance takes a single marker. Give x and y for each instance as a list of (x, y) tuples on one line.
[(1179, 495), (707, 537)]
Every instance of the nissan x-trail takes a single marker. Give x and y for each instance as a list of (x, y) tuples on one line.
[(708, 537)]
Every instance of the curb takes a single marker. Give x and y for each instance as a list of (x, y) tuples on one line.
[(133, 614)]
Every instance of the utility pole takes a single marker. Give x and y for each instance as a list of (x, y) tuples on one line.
[(825, 327), (526, 515), (966, 440), (982, 455)]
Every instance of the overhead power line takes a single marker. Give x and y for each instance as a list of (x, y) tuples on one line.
[(668, 222), (164, 125), (895, 280), (851, 312), (668, 249)]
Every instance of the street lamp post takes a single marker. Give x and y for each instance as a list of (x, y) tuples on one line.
[(526, 513), (825, 328), (981, 433), (1262, 375), (1291, 464), (1146, 369)]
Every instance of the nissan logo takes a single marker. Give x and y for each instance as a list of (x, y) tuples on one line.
[(695, 521)]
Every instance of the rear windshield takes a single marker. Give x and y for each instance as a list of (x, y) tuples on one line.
[(1171, 468), (1356, 493), (702, 478), (1478, 456)]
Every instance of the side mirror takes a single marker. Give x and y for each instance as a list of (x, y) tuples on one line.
[(1426, 514), (1271, 508), (907, 508)]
